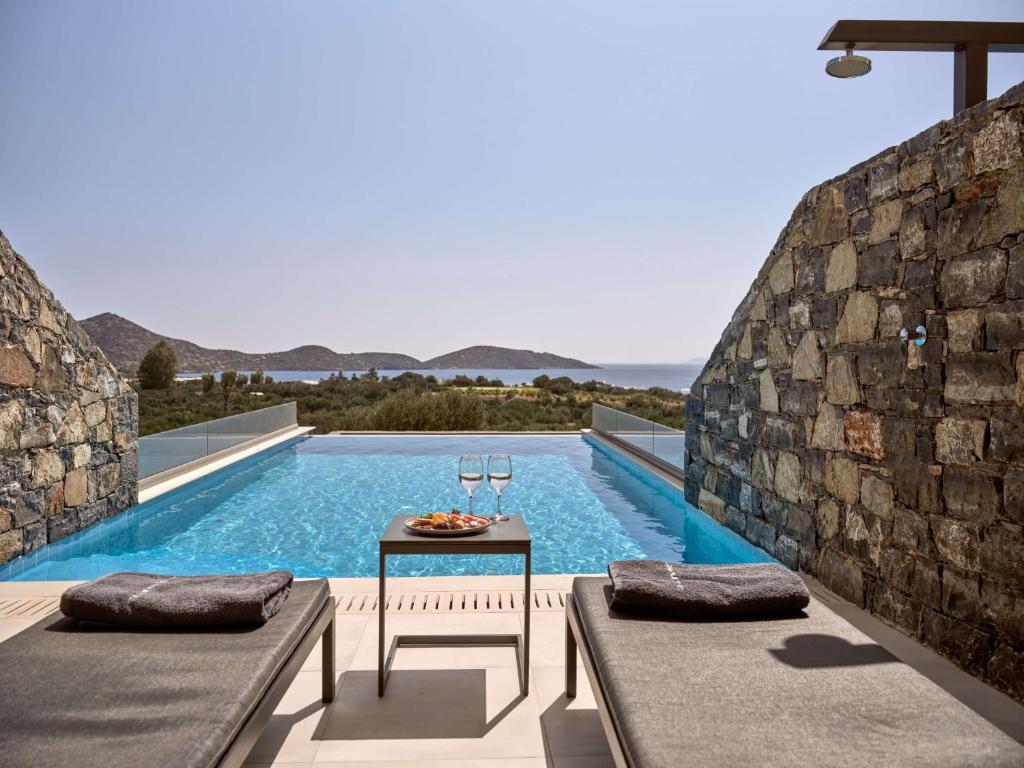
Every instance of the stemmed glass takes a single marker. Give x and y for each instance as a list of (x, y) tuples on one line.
[(471, 475), (499, 474)]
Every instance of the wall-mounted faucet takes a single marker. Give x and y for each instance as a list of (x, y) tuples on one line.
[(920, 339)]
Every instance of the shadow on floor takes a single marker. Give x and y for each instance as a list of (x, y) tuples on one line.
[(572, 732), (418, 704), (813, 651)]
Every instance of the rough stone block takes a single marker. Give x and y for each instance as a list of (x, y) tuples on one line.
[(829, 432), (877, 495), (829, 519), (788, 476), (859, 318), (16, 369), (842, 479), (1007, 436), (971, 494), (780, 277), (953, 163), (957, 542), (883, 178), (761, 533), (961, 595), (1002, 553), (1004, 326), (1015, 274), (964, 328), (830, 221), (910, 530), (711, 505), (841, 272), (769, 395), (47, 469), (975, 278), (915, 173), (878, 265), (807, 360), (885, 221), (958, 227), (960, 441), (10, 545), (967, 646), (998, 145), (1013, 494), (841, 383), (800, 398), (842, 575), (864, 433), (897, 608), (787, 551), (810, 272), (855, 192), (76, 487), (980, 377), (882, 364), (824, 312)]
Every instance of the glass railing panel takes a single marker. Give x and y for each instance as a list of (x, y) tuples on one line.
[(664, 443), (172, 448), (166, 450)]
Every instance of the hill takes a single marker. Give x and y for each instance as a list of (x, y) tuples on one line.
[(124, 343), (500, 357)]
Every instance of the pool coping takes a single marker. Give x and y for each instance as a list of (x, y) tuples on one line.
[(169, 480)]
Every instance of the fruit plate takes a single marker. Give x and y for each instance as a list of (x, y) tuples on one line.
[(423, 528)]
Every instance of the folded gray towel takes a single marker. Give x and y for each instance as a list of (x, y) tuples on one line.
[(706, 591), (151, 600)]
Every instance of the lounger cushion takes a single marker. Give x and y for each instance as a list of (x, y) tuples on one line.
[(113, 697), (810, 691)]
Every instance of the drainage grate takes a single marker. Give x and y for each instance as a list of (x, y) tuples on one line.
[(28, 608), (363, 602), (451, 602)]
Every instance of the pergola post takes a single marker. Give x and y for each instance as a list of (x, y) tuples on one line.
[(970, 76)]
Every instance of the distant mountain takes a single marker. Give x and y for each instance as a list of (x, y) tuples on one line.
[(696, 361), (125, 343), (500, 357)]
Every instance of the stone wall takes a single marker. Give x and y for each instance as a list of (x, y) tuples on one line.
[(68, 422), (891, 471)]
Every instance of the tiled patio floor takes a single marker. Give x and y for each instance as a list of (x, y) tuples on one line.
[(446, 708)]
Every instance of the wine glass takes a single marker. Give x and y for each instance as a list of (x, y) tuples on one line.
[(499, 474), (471, 475)]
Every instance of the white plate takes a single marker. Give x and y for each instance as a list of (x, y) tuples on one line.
[(442, 532)]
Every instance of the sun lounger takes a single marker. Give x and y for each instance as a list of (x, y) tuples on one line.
[(111, 697), (787, 692)]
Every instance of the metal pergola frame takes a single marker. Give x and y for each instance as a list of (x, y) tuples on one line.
[(969, 41)]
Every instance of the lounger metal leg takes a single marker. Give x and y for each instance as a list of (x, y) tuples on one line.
[(327, 641), (570, 658)]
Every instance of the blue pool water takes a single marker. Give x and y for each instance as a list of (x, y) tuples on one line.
[(317, 506)]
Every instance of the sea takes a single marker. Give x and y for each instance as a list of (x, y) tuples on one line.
[(677, 377)]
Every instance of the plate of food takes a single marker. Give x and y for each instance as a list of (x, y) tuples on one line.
[(453, 523)]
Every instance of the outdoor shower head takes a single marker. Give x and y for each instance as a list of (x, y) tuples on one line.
[(848, 65)]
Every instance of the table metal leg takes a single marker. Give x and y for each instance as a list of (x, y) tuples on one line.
[(380, 626), (526, 629)]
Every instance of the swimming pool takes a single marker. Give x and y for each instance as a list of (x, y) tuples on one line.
[(317, 506)]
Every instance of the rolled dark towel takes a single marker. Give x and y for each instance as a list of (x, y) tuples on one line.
[(179, 602), (706, 591)]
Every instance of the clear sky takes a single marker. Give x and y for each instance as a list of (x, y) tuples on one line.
[(595, 179)]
